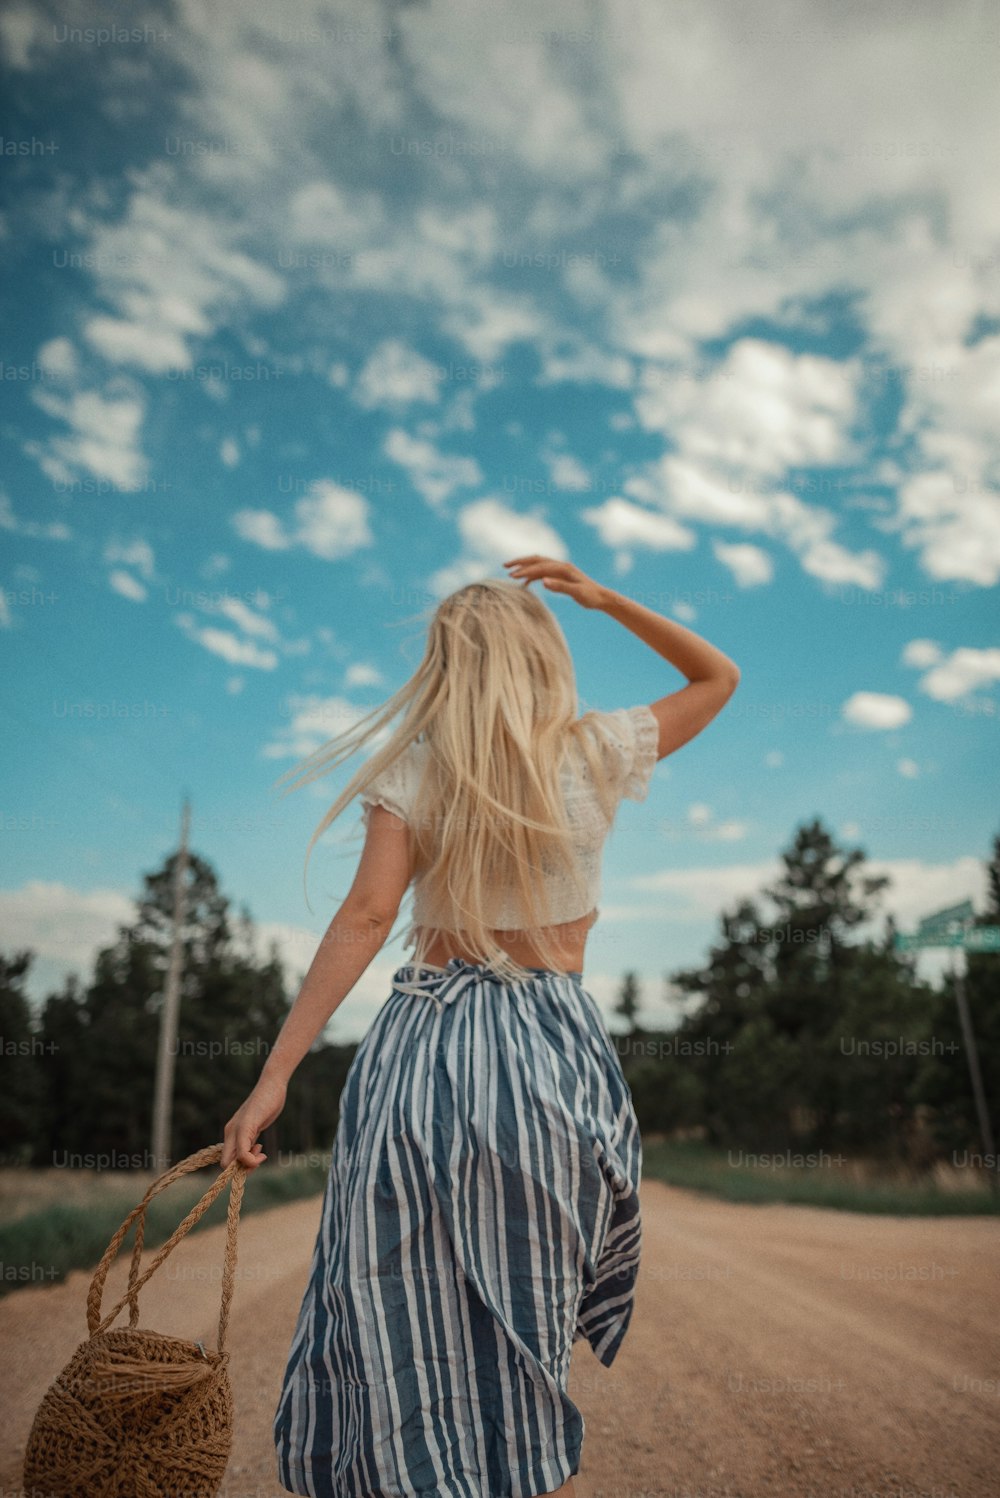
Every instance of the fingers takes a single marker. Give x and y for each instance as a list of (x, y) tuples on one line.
[(239, 1144)]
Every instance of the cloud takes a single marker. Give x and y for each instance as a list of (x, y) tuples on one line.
[(329, 521), (102, 441), (908, 768), (128, 586), (567, 472), (312, 722), (20, 28), (64, 925), (52, 530), (174, 275), (956, 534), (876, 710), (360, 674), (702, 822), (434, 474), (916, 886), (229, 646), (248, 619), (922, 653), (960, 673), (490, 533), (763, 411), (750, 565), (620, 523), (58, 358), (395, 375), (137, 554)]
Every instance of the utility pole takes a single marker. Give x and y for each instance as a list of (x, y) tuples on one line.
[(163, 1097)]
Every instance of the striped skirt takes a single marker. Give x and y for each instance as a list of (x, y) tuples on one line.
[(481, 1215)]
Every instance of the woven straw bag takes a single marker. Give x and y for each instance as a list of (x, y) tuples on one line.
[(136, 1413)]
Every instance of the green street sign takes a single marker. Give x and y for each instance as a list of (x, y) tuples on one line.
[(939, 918), (972, 938), (905, 941), (982, 939)]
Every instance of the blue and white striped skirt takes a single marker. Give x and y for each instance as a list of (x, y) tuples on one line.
[(481, 1215)]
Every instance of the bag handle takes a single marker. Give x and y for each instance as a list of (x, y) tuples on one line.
[(235, 1174)]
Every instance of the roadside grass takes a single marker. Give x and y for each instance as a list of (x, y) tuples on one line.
[(855, 1186), (41, 1246)]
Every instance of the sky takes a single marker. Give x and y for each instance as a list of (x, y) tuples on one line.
[(315, 313)]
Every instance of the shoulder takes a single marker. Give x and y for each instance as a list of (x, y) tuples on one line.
[(630, 737), (395, 787)]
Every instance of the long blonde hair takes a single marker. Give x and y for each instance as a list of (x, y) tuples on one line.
[(494, 698)]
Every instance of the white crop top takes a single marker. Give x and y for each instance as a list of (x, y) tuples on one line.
[(632, 739)]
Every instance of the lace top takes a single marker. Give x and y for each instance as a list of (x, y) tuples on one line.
[(630, 739)]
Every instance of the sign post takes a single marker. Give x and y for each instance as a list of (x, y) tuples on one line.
[(952, 927)]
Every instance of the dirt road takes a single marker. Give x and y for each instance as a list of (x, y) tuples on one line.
[(774, 1351)]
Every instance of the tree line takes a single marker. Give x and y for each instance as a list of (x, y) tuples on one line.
[(796, 1033)]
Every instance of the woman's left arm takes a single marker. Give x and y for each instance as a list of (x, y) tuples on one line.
[(356, 933)]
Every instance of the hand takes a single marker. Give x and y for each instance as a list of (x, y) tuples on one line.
[(250, 1119), (559, 577)]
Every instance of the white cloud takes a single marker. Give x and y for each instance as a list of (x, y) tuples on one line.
[(750, 565), (806, 529), (246, 618), (961, 672), (916, 887), (396, 375), (957, 534), (568, 358), (137, 554), (52, 530), (63, 925), (312, 722), (908, 768), (490, 533), (876, 710), (59, 359), (173, 274), (263, 528), (621, 523), (774, 759), (128, 586), (229, 452), (329, 521), (434, 474), (685, 490), (702, 820), (20, 29), (360, 674), (102, 440), (230, 647), (567, 472), (493, 78), (763, 410), (922, 653)]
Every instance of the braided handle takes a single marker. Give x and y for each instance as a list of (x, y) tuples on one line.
[(235, 1174)]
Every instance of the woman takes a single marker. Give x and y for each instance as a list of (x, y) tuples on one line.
[(481, 1212)]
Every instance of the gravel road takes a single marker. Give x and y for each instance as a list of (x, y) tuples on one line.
[(780, 1351)]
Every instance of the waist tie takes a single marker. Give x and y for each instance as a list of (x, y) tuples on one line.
[(442, 984)]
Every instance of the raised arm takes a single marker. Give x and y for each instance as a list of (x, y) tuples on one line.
[(712, 675)]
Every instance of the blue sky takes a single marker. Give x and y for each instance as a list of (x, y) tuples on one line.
[(315, 315)]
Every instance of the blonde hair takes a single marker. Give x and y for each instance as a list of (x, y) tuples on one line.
[(494, 697)]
